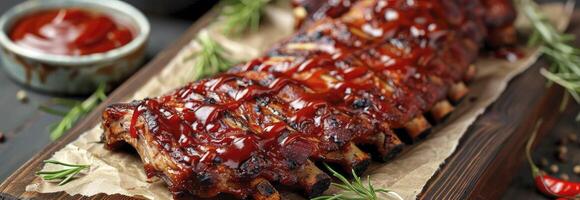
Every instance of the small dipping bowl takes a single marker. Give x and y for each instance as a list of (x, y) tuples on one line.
[(72, 74)]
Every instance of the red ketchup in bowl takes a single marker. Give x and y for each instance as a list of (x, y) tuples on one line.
[(70, 31)]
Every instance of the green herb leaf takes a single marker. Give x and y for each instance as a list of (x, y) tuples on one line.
[(51, 111), (354, 190), (565, 58), (69, 103), (210, 60), (78, 109), (529, 143), (64, 175), (242, 15)]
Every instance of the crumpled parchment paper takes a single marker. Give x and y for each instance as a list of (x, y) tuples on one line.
[(122, 173)]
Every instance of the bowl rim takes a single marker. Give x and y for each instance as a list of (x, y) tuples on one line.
[(116, 6)]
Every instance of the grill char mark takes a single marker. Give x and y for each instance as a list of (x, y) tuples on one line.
[(349, 77)]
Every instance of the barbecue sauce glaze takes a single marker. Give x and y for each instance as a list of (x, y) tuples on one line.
[(390, 62)]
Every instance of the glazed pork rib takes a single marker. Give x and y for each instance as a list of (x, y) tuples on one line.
[(361, 76)]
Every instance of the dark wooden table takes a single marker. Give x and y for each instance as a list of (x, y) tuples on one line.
[(521, 186), (26, 133)]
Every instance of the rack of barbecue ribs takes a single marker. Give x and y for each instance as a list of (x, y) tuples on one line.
[(359, 80)]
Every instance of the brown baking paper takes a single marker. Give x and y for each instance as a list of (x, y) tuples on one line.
[(122, 172)]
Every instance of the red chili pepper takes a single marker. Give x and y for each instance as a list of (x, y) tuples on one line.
[(548, 185), (556, 187)]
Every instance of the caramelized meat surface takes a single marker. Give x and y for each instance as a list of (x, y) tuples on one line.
[(359, 76)]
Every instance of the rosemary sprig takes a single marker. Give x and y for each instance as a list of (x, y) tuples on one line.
[(242, 15), (238, 16), (78, 109), (211, 58), (64, 175), (354, 190), (565, 58)]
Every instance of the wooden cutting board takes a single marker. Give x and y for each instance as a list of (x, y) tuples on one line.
[(481, 168)]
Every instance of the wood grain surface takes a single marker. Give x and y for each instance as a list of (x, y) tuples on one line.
[(481, 168), (492, 150), (522, 185)]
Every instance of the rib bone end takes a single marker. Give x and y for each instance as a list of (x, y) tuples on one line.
[(441, 110), (394, 150), (313, 180), (264, 190), (417, 127), (470, 73), (458, 91)]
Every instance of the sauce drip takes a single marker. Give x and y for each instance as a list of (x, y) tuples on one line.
[(509, 54), (70, 31), (389, 82), (370, 72)]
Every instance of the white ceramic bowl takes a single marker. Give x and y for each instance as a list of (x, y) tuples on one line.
[(73, 74)]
